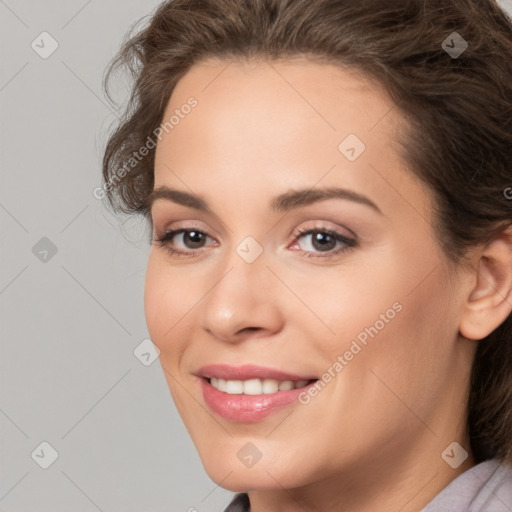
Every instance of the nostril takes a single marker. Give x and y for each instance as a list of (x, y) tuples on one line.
[(250, 329)]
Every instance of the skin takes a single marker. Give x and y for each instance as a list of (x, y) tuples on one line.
[(372, 438)]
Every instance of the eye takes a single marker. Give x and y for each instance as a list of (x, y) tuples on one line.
[(191, 239), (187, 241), (312, 242), (316, 242)]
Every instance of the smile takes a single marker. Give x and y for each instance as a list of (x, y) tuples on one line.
[(249, 393), (256, 386)]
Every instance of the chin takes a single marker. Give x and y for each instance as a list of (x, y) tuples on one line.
[(244, 480), (227, 469)]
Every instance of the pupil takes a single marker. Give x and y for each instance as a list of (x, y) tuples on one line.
[(194, 238), (324, 240)]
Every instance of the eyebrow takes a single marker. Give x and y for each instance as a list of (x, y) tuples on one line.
[(286, 202)]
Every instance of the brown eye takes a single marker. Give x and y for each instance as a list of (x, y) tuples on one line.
[(183, 240), (321, 240), (193, 239)]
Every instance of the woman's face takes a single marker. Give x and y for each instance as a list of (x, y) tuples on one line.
[(309, 255)]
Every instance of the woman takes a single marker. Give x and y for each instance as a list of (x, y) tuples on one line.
[(330, 281)]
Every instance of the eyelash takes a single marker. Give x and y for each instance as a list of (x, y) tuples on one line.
[(349, 243)]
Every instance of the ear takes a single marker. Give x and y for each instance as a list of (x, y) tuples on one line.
[(490, 300)]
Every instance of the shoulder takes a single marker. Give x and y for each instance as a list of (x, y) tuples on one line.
[(486, 487)]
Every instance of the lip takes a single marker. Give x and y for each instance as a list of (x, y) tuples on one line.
[(247, 408), (246, 372)]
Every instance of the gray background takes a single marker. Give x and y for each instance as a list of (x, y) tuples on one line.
[(70, 321)]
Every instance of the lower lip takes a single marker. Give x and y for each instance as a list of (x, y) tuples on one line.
[(248, 408)]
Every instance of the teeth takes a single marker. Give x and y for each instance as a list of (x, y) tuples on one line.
[(270, 386), (234, 387), (286, 385), (255, 386)]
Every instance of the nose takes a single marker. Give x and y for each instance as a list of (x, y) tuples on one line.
[(243, 302)]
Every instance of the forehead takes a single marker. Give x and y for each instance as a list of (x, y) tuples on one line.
[(262, 125), (278, 101)]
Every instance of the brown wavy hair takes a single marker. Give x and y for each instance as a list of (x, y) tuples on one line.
[(458, 112)]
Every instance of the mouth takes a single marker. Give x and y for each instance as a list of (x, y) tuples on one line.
[(250, 393), (256, 386)]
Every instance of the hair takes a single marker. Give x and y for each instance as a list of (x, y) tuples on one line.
[(458, 112)]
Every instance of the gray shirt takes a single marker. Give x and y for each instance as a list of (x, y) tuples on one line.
[(486, 487)]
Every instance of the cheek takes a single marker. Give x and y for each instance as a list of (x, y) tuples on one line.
[(346, 300), (166, 303), (392, 312), (408, 356)]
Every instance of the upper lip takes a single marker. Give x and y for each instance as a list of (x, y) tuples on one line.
[(246, 372)]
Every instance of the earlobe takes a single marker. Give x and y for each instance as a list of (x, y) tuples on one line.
[(489, 302)]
